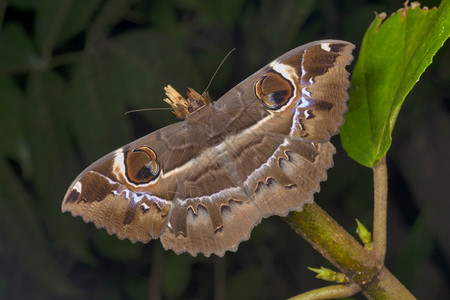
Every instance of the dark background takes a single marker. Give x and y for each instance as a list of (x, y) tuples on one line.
[(70, 69)]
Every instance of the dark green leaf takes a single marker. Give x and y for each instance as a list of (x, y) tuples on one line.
[(111, 247), (12, 135), (77, 19), (177, 269), (164, 15), (418, 248), (23, 4), (52, 159), (22, 232), (16, 48), (394, 53), (131, 73), (58, 21), (97, 115), (246, 283), (226, 12)]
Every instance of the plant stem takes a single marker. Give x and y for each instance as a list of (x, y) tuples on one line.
[(360, 265), (380, 186), (329, 292), (156, 274), (219, 278)]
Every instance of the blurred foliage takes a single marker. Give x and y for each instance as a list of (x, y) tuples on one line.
[(70, 69)]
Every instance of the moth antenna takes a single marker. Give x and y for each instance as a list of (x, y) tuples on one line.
[(146, 109), (207, 87), (217, 70)]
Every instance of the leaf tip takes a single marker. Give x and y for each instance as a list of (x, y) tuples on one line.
[(328, 275), (413, 5)]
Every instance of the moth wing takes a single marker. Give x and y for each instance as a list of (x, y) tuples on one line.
[(202, 184)]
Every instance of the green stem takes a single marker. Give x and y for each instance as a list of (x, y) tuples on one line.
[(360, 265), (380, 186), (329, 292)]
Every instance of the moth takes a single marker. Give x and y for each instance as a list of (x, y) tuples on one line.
[(202, 184)]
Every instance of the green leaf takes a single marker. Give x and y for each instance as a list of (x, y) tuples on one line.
[(22, 4), (78, 18), (164, 15), (419, 247), (364, 235), (16, 48), (277, 33), (97, 115), (52, 159), (57, 21), (394, 53), (130, 72), (12, 133), (111, 247), (224, 12), (22, 234), (328, 274), (177, 270), (246, 283)]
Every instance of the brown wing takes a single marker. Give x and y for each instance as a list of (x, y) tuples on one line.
[(274, 155), (217, 206), (204, 183)]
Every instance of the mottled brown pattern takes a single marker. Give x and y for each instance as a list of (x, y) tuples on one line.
[(328, 93), (73, 196), (229, 164), (338, 47), (317, 62), (94, 188)]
